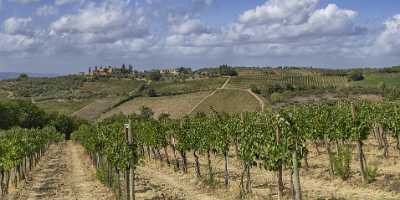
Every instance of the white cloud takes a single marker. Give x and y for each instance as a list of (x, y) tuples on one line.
[(106, 22), (64, 2), (388, 41), (279, 26), (287, 11), (46, 10), (189, 26), (16, 43), (15, 26), (24, 1)]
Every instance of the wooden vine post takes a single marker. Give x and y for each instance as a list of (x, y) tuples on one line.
[(130, 172), (279, 171)]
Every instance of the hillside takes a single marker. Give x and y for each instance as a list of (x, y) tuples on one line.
[(229, 101), (177, 106)]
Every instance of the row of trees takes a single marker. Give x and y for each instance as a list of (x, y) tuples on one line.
[(277, 140), (25, 114)]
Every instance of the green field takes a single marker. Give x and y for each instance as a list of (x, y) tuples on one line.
[(374, 80), (63, 106)]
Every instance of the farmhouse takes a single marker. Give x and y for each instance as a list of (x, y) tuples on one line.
[(169, 71)]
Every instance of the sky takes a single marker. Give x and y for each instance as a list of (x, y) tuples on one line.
[(68, 36)]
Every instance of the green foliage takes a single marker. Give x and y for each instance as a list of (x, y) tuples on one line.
[(255, 89), (22, 76), (371, 172), (356, 75), (342, 162), (226, 70), (146, 112), (23, 114), (154, 75), (18, 143), (65, 124), (277, 97)]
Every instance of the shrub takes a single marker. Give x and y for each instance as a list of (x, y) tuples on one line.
[(276, 97), (342, 162), (255, 89), (356, 75), (371, 172)]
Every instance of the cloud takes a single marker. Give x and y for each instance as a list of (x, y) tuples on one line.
[(46, 10), (278, 27), (64, 2), (18, 26), (188, 26), (24, 1), (388, 41), (16, 43), (106, 22), (288, 12)]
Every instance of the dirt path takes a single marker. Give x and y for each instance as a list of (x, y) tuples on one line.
[(63, 173), (10, 94), (258, 99)]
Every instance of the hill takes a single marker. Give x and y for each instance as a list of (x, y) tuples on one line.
[(14, 75), (177, 106)]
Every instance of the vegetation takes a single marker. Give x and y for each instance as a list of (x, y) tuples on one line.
[(276, 139)]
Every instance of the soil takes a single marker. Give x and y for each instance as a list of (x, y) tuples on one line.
[(62, 174)]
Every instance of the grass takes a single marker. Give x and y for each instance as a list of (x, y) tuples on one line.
[(63, 106), (177, 106), (110, 87), (95, 109), (373, 80), (230, 101), (190, 86)]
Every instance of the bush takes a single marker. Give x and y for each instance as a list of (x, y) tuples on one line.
[(277, 97), (154, 75), (342, 162), (371, 172), (356, 75), (151, 92), (255, 89)]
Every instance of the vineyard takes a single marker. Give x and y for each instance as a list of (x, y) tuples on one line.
[(297, 79), (20, 151), (276, 142)]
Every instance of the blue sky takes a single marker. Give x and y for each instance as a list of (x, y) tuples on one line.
[(66, 36)]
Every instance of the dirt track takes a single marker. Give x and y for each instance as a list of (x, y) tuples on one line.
[(63, 174)]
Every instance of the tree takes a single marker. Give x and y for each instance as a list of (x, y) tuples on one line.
[(23, 76), (65, 125), (356, 75), (226, 70), (154, 75)]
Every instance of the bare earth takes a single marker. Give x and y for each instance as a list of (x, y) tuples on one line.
[(63, 174)]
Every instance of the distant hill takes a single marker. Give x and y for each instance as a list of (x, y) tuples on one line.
[(13, 75)]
